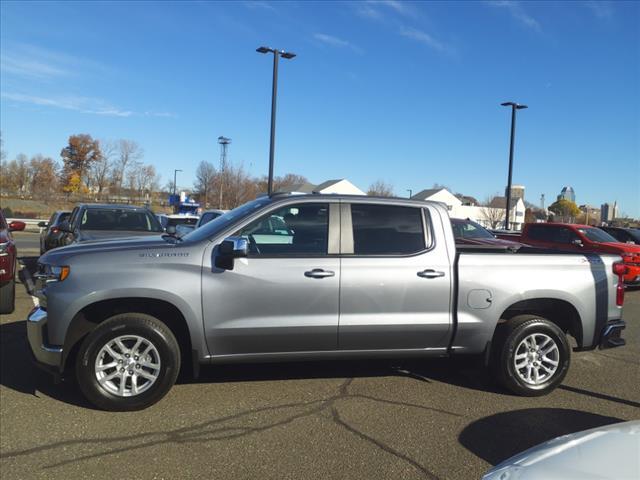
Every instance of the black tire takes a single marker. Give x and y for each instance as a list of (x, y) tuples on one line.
[(509, 338), (8, 297), (151, 330)]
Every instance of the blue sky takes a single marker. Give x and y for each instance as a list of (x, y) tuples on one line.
[(405, 92)]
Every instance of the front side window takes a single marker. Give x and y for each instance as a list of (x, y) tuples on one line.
[(597, 235), (387, 230), (295, 230)]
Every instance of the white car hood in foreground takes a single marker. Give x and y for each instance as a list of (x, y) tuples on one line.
[(611, 452)]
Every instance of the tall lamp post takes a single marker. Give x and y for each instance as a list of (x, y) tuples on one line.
[(274, 93), (514, 106)]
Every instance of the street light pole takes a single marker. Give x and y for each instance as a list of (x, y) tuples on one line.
[(410, 192), (274, 94), (514, 106)]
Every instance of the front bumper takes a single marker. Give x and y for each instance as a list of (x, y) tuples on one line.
[(611, 335), (46, 356)]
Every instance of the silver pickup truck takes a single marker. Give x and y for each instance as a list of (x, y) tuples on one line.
[(300, 277)]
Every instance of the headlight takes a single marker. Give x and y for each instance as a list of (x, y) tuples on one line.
[(3, 248), (52, 273)]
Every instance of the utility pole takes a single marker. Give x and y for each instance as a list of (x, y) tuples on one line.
[(224, 142), (410, 192)]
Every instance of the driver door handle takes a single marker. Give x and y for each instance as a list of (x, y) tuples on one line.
[(430, 274), (319, 273)]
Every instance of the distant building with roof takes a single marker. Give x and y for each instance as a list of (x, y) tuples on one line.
[(340, 186), (462, 206), (567, 193)]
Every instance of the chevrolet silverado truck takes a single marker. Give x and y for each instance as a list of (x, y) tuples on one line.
[(308, 277)]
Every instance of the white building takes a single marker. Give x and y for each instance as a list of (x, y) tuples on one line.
[(489, 216), (341, 186), (608, 212)]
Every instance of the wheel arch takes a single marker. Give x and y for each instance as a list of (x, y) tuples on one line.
[(559, 311), (93, 314)]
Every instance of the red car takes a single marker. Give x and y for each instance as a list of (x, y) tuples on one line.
[(8, 263), (584, 238)]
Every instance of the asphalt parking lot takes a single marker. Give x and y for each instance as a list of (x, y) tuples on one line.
[(359, 419)]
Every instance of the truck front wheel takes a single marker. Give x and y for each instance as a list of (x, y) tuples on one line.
[(531, 355), (129, 362)]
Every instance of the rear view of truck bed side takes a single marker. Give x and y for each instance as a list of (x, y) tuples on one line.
[(518, 308)]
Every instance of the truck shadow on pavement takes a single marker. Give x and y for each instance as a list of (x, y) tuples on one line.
[(500, 436), (18, 372)]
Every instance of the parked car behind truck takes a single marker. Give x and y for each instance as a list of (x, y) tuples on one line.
[(51, 234), (582, 239), (300, 277), (92, 222)]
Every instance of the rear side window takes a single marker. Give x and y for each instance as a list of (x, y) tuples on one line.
[(387, 230)]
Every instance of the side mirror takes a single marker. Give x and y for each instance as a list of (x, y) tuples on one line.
[(42, 224), (230, 249), (577, 242), (17, 226), (171, 229)]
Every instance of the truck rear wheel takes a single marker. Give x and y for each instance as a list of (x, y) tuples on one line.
[(531, 355), (129, 362)]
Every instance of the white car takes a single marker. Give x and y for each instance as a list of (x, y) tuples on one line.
[(611, 452), (209, 215), (184, 223)]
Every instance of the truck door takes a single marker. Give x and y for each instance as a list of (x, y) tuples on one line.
[(284, 296), (396, 279)]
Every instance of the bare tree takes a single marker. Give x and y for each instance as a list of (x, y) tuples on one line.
[(102, 167), (493, 215), (146, 180), (205, 181), (129, 152), (380, 188)]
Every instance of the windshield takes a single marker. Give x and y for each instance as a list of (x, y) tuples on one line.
[(469, 229), (226, 219), (119, 219), (597, 235)]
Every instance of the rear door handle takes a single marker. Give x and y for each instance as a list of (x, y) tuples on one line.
[(319, 273), (430, 274)]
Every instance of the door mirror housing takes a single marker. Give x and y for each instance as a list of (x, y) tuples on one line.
[(42, 224), (171, 230), (230, 249), (17, 226), (576, 242)]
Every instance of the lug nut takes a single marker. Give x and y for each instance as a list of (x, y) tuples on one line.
[(126, 355), (137, 365), (120, 361), (135, 358), (130, 372), (122, 370)]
